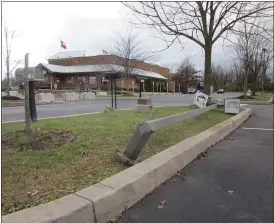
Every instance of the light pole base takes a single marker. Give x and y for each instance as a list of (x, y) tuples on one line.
[(124, 159)]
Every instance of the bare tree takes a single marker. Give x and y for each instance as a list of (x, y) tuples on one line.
[(4, 82), (221, 76), (130, 51), (202, 22), (251, 54), (10, 65), (239, 74), (185, 73)]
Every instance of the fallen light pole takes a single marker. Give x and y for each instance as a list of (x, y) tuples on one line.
[(145, 129)]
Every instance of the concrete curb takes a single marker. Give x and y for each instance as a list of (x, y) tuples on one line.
[(104, 201)]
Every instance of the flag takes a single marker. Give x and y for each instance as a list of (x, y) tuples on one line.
[(105, 52), (63, 45)]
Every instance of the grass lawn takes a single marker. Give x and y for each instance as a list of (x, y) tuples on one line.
[(11, 101), (33, 177), (264, 97)]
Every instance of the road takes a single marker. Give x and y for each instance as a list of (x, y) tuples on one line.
[(234, 183), (10, 114)]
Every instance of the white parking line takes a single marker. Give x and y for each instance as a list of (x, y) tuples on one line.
[(64, 116), (263, 129), (91, 113)]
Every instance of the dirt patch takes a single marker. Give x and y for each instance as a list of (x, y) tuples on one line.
[(36, 140)]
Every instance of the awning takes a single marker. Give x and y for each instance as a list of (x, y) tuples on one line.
[(97, 69)]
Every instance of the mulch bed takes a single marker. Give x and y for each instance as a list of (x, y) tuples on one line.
[(36, 140), (243, 97), (11, 98)]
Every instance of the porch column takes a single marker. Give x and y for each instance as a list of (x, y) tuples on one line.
[(50, 81), (86, 82), (98, 81)]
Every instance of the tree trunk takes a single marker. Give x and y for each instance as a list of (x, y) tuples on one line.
[(208, 73), (245, 85), (8, 76), (254, 87)]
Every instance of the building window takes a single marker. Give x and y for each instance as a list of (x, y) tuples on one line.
[(92, 79)]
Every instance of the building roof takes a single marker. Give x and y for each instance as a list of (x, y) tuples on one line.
[(98, 68), (68, 54)]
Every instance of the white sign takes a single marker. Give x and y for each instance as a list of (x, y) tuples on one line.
[(200, 99), (232, 106)]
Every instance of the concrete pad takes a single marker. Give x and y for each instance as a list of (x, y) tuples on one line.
[(144, 101), (70, 96), (48, 97), (87, 96), (69, 209), (144, 108)]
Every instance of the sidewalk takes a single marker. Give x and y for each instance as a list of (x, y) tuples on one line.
[(234, 183)]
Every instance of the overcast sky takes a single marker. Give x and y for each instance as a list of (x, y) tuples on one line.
[(89, 26)]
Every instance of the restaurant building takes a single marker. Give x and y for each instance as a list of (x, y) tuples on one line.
[(74, 69)]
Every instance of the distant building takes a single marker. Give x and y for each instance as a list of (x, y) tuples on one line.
[(69, 70)]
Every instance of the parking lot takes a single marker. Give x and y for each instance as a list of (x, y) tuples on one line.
[(11, 114)]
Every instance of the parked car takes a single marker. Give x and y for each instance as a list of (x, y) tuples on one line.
[(221, 91)]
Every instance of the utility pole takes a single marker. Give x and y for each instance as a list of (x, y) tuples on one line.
[(26, 86)]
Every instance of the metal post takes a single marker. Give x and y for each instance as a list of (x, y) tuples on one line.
[(140, 91), (32, 104), (50, 82), (115, 101), (111, 91), (145, 129)]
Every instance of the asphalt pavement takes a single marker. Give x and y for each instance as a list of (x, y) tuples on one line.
[(233, 183), (10, 114)]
